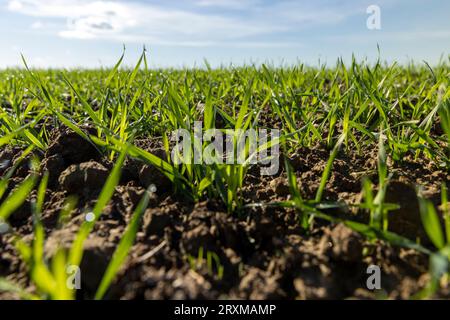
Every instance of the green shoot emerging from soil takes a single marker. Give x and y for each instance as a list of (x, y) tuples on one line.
[(93, 195)]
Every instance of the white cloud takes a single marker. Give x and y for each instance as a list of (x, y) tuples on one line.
[(37, 25), (134, 21), (84, 19), (128, 21)]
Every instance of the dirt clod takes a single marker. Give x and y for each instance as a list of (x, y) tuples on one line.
[(155, 220), (347, 244), (71, 147), (280, 186), (150, 175), (83, 177), (406, 220)]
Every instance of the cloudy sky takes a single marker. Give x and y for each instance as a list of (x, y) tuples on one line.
[(91, 33)]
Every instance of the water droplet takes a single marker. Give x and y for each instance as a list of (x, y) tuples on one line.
[(4, 227), (90, 217)]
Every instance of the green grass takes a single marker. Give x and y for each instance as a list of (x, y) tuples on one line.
[(391, 108)]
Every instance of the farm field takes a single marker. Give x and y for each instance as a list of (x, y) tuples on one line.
[(95, 203)]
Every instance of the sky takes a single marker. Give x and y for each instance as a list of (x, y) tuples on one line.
[(92, 33)]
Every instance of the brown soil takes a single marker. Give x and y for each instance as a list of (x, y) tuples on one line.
[(263, 251)]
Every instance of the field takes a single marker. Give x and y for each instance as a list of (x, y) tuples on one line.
[(94, 205)]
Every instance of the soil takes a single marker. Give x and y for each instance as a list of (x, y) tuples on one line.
[(260, 253)]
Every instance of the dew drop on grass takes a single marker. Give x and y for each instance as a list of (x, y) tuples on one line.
[(89, 217), (3, 227)]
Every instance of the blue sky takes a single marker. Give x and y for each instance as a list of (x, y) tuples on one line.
[(90, 33)]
